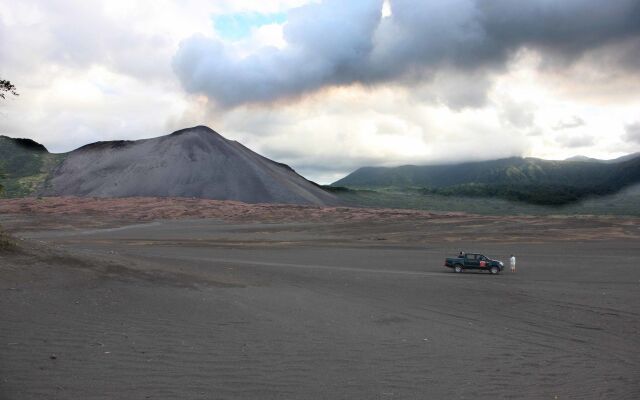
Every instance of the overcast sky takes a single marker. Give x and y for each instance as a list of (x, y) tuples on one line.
[(328, 86)]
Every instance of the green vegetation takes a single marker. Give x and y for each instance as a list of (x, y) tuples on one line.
[(7, 243), (541, 194), (625, 202), (533, 181), (25, 164), (5, 87)]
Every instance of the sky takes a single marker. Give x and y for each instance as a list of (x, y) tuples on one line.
[(328, 86)]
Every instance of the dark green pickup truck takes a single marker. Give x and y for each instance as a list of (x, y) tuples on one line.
[(474, 261)]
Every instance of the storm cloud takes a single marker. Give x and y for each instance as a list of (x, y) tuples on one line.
[(334, 43), (328, 86)]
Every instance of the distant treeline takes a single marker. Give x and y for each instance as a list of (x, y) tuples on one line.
[(534, 181), (540, 194)]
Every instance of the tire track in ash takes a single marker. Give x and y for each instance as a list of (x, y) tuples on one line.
[(304, 266)]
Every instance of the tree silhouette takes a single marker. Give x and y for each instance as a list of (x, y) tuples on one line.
[(8, 87)]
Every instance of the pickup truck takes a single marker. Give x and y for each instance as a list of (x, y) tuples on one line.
[(474, 261)]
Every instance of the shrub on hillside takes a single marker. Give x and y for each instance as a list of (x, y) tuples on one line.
[(7, 243)]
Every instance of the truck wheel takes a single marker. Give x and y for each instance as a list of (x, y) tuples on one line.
[(494, 270), (458, 268)]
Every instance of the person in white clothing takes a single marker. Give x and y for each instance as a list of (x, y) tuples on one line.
[(513, 263)]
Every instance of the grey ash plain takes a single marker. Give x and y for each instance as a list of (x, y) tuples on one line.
[(206, 309)]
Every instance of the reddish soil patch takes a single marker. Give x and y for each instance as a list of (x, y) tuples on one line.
[(393, 224), (152, 208)]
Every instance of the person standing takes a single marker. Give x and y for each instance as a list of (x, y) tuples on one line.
[(512, 261)]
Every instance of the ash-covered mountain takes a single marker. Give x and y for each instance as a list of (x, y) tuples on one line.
[(193, 162)]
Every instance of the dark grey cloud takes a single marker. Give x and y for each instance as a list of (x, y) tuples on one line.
[(328, 44), (336, 43), (567, 27)]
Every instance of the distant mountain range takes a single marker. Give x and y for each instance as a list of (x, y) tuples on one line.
[(194, 162), (524, 179), (615, 160), (198, 162)]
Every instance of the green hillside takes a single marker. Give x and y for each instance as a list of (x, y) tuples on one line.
[(625, 202), (528, 180), (25, 165)]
